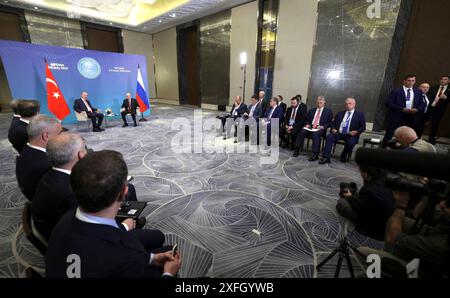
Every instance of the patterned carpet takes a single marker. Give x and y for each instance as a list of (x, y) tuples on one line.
[(209, 204)]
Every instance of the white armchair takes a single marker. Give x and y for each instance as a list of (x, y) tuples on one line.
[(82, 117)]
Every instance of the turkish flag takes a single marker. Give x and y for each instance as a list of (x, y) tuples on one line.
[(55, 99)]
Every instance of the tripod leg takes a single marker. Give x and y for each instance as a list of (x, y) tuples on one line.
[(327, 258), (338, 266), (349, 264)]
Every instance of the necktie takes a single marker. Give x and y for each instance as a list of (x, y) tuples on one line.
[(317, 119), (129, 104), (271, 112), (294, 114), (441, 91), (346, 125)]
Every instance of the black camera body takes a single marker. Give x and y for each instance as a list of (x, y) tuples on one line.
[(347, 187)]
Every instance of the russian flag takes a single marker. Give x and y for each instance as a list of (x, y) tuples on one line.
[(141, 94)]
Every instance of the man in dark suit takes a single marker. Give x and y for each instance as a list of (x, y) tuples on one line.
[(425, 88), (91, 235), (348, 126), (54, 196), (282, 105), (439, 96), (17, 134), (251, 119), (293, 122), (273, 112), (84, 105), (237, 111), (406, 108), (16, 116), (129, 106), (319, 118), (33, 163)]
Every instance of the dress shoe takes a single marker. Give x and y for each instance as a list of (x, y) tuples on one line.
[(140, 223), (296, 153), (324, 161), (96, 130), (135, 125), (343, 158), (101, 129), (314, 158), (125, 125)]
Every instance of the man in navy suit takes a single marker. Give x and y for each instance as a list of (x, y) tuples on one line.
[(84, 105), (439, 97), (348, 126), (293, 122), (237, 111), (17, 134), (33, 163), (406, 108), (319, 118), (91, 235), (273, 112), (129, 106)]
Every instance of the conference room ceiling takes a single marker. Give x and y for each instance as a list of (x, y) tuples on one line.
[(148, 16)]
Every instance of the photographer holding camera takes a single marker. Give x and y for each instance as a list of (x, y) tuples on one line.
[(371, 207)]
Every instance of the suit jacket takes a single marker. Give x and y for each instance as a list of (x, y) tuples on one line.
[(14, 122), (31, 166), (18, 135), (258, 113), (240, 111), (397, 102), (53, 198), (278, 113), (284, 107), (432, 93), (358, 122), (325, 119), (300, 117), (104, 251), (134, 105), (79, 106)]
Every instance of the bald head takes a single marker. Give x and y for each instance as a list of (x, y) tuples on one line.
[(405, 135), (65, 149), (424, 87)]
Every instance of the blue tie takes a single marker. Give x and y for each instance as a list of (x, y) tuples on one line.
[(346, 126), (408, 96)]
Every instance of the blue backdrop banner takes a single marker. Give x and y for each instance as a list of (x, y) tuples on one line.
[(107, 77)]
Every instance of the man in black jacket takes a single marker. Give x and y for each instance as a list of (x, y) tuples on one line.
[(318, 120), (18, 135), (16, 116), (371, 207), (293, 122), (129, 106), (439, 97), (83, 104), (88, 243), (33, 163)]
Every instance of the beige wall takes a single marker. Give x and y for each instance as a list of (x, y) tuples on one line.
[(5, 94), (141, 44), (165, 47), (297, 21), (244, 31)]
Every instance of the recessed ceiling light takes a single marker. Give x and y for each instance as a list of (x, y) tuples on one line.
[(160, 21), (36, 7), (173, 15), (110, 23)]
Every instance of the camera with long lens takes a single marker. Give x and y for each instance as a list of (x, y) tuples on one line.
[(345, 187)]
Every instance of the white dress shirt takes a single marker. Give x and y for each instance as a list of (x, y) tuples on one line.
[(427, 102), (436, 100), (37, 148), (410, 104), (347, 118), (87, 105), (62, 170), (25, 120)]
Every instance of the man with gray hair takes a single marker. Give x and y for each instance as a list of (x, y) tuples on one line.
[(129, 106), (32, 163), (54, 196), (409, 141)]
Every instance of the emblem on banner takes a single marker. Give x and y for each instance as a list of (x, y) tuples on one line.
[(89, 68)]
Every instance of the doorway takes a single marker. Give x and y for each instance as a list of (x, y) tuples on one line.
[(188, 65)]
